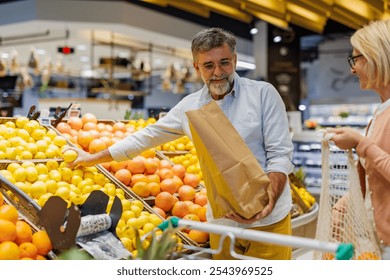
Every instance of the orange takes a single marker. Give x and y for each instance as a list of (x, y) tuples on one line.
[(154, 188), (165, 173), (153, 178), (9, 251), (40, 258), (165, 201), (194, 208), (89, 117), (164, 163), (178, 181), (191, 217), (84, 138), (9, 212), (42, 241), (119, 126), (136, 165), (141, 188), (96, 145), (151, 165), (151, 153), (138, 178), (168, 185), (28, 250), (180, 209), (368, 256), (124, 176), (159, 211), (7, 230), (63, 127), (115, 165), (178, 170), (327, 256), (198, 236), (23, 232), (75, 123), (202, 214), (200, 199), (192, 180), (186, 193), (89, 126)]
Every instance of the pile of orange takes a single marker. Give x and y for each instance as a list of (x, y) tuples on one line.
[(17, 239)]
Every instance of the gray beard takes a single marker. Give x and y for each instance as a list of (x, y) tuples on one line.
[(221, 89)]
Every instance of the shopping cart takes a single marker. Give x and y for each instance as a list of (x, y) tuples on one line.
[(341, 251)]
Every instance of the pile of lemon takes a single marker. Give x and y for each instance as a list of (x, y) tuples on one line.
[(25, 139)]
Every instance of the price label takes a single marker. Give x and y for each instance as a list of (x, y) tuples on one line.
[(45, 121)]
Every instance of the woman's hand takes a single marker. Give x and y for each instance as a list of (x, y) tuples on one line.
[(345, 137)]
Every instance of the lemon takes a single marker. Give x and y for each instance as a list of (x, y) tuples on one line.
[(76, 180), (133, 222), (59, 141), (38, 134), (20, 174), (143, 220), (37, 189), (110, 187), (11, 153), (43, 177), (136, 210), (66, 174), (52, 164), (23, 186), (77, 199), (154, 219), (51, 153), (42, 168), (55, 175), (32, 174), (40, 155), (21, 122), (63, 192), (129, 231), (51, 186), (70, 156), (127, 214), (148, 227), (126, 204), (26, 155), (127, 243), (13, 166), (138, 203)]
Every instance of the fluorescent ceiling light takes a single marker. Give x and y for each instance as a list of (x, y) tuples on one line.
[(246, 65)]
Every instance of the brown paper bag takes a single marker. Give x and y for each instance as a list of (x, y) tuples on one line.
[(233, 177)]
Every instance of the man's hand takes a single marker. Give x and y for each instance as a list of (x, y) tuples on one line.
[(87, 159), (274, 190)]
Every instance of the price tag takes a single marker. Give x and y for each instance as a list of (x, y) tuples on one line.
[(45, 121), (74, 110)]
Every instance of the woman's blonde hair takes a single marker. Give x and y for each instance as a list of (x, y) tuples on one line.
[(373, 42)]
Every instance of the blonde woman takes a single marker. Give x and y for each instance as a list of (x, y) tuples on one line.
[(370, 62)]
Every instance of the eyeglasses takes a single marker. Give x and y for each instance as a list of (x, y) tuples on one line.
[(210, 66), (351, 60)]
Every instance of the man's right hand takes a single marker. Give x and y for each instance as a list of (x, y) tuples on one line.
[(83, 158)]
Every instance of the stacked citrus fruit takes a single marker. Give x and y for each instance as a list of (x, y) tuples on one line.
[(18, 240), (27, 139)]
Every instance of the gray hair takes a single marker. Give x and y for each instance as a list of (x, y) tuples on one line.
[(211, 38)]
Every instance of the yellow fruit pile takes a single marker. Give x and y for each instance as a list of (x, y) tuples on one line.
[(27, 139)]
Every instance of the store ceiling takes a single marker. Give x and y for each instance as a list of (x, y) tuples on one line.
[(312, 15)]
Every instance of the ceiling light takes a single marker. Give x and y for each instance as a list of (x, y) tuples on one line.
[(253, 30), (246, 65), (277, 39)]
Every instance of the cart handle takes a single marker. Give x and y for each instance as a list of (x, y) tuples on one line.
[(342, 251)]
